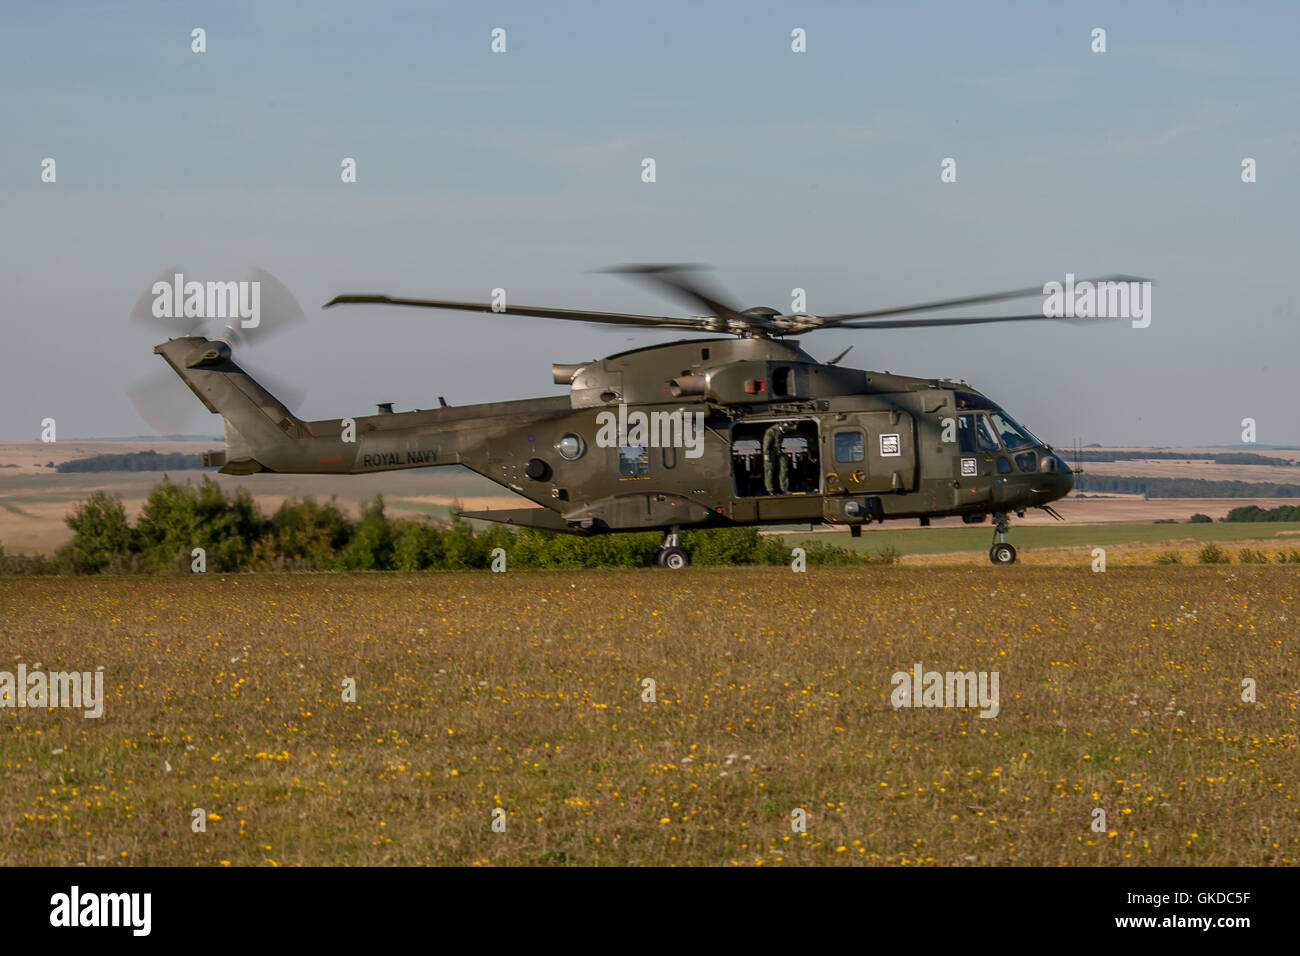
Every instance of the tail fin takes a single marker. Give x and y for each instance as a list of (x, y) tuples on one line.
[(256, 421)]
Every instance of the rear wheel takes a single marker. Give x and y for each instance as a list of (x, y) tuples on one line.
[(1002, 554)]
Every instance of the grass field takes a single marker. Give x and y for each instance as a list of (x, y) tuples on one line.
[(977, 538), (523, 691)]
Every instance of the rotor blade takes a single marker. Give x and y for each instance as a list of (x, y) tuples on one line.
[(164, 402), (672, 278), (970, 300), (278, 311), (288, 394), (142, 312), (963, 320), (701, 324)]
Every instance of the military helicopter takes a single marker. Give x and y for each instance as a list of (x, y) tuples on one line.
[(740, 428)]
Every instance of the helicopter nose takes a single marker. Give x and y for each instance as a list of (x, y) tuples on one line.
[(1062, 478), (1054, 479)]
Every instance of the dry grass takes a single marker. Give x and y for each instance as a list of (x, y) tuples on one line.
[(1281, 549), (1118, 690)]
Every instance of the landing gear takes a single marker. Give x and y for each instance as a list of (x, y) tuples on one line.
[(1001, 552), (671, 554)]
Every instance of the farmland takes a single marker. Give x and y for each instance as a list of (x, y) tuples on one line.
[(525, 691), (1066, 544)]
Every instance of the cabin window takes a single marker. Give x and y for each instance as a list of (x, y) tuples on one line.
[(850, 445), (783, 382), (974, 433), (1004, 466), (633, 461), (1027, 461)]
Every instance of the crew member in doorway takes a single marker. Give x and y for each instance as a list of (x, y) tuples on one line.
[(776, 466)]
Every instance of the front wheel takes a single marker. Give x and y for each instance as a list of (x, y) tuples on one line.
[(1002, 554), (674, 559)]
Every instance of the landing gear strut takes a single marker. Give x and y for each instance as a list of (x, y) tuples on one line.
[(671, 554), (1001, 552)]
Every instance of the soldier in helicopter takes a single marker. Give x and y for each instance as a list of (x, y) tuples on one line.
[(776, 464)]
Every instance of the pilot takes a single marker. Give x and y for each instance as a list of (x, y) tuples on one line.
[(776, 466)]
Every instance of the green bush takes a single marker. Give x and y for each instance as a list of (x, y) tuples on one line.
[(1213, 554), (306, 535), (34, 564), (371, 545), (101, 534), (723, 546), (1256, 513), (1199, 518)]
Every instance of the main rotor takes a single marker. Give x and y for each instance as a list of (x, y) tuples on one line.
[(681, 282)]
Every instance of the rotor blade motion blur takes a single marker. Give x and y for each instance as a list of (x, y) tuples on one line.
[(723, 316), (164, 402), (967, 300), (959, 320), (673, 279), (254, 310), (577, 315)]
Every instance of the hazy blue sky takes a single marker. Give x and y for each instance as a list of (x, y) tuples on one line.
[(522, 170)]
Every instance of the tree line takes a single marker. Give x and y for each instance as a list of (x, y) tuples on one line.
[(1256, 513), (1218, 458), (133, 461), (1184, 487), (306, 535)]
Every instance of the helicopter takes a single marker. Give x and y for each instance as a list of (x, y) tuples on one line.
[(737, 429)]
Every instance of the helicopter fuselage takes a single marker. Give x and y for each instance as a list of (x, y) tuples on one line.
[(746, 431)]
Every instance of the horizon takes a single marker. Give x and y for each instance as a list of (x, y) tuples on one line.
[(818, 170)]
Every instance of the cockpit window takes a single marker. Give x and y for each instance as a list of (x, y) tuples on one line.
[(967, 401), (1013, 436), (975, 434)]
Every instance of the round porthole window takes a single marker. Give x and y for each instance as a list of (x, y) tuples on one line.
[(570, 447)]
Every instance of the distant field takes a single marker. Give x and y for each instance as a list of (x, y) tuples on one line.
[(34, 500), (33, 457), (523, 691)]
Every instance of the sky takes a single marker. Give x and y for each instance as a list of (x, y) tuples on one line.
[(522, 170)]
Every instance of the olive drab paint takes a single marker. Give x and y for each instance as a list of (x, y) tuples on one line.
[(743, 430)]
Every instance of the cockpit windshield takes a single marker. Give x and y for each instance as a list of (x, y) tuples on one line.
[(1013, 435)]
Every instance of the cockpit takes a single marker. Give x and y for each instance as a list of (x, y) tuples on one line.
[(983, 427)]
